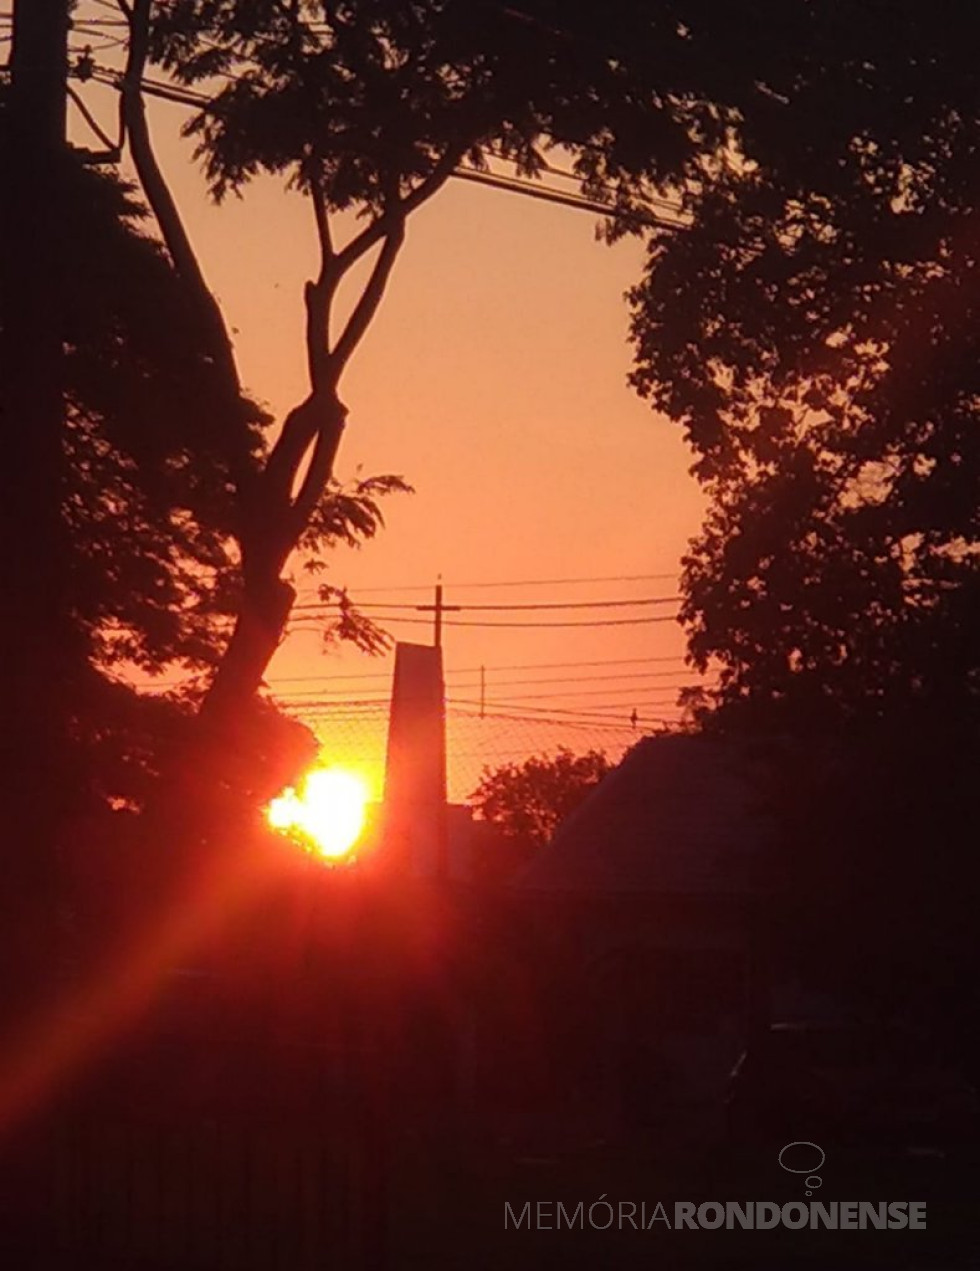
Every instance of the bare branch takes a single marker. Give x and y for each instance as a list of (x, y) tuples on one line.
[(389, 230), (151, 178), (164, 207), (112, 146), (326, 365), (379, 228), (367, 305), (319, 471), (318, 421), (319, 296), (322, 222), (298, 432)]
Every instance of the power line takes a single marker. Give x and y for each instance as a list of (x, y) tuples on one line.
[(338, 695), (515, 185), (666, 697), (669, 692), (97, 22), (180, 96), (511, 666), (534, 710), (570, 719), (582, 604), (553, 170), (349, 711), (529, 189), (322, 605), (315, 697), (537, 626), (584, 679), (328, 678), (101, 33)]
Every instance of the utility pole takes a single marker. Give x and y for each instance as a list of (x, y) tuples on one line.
[(37, 654), (437, 610)]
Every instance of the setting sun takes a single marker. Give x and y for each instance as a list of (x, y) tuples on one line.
[(328, 811)]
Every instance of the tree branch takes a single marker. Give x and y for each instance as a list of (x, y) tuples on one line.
[(312, 423), (322, 222), (167, 214), (367, 305), (318, 421), (151, 178), (113, 147), (379, 228), (319, 296), (299, 430), (319, 471)]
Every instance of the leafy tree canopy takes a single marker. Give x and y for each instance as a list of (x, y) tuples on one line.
[(527, 802), (151, 442), (368, 108), (815, 329), (367, 99)]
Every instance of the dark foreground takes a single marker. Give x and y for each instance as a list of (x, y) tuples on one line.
[(329, 1104)]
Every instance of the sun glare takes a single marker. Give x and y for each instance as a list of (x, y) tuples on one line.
[(328, 811)]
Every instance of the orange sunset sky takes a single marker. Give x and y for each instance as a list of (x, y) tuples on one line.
[(494, 380)]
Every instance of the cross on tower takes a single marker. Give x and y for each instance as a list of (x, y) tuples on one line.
[(437, 610)]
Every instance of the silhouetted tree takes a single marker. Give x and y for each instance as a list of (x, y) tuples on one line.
[(815, 329), (368, 108), (151, 436), (527, 802), (35, 638), (148, 499)]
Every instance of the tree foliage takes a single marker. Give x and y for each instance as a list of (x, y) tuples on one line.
[(528, 801), (367, 108), (153, 445), (815, 329), (151, 442), (368, 99), (150, 502)]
